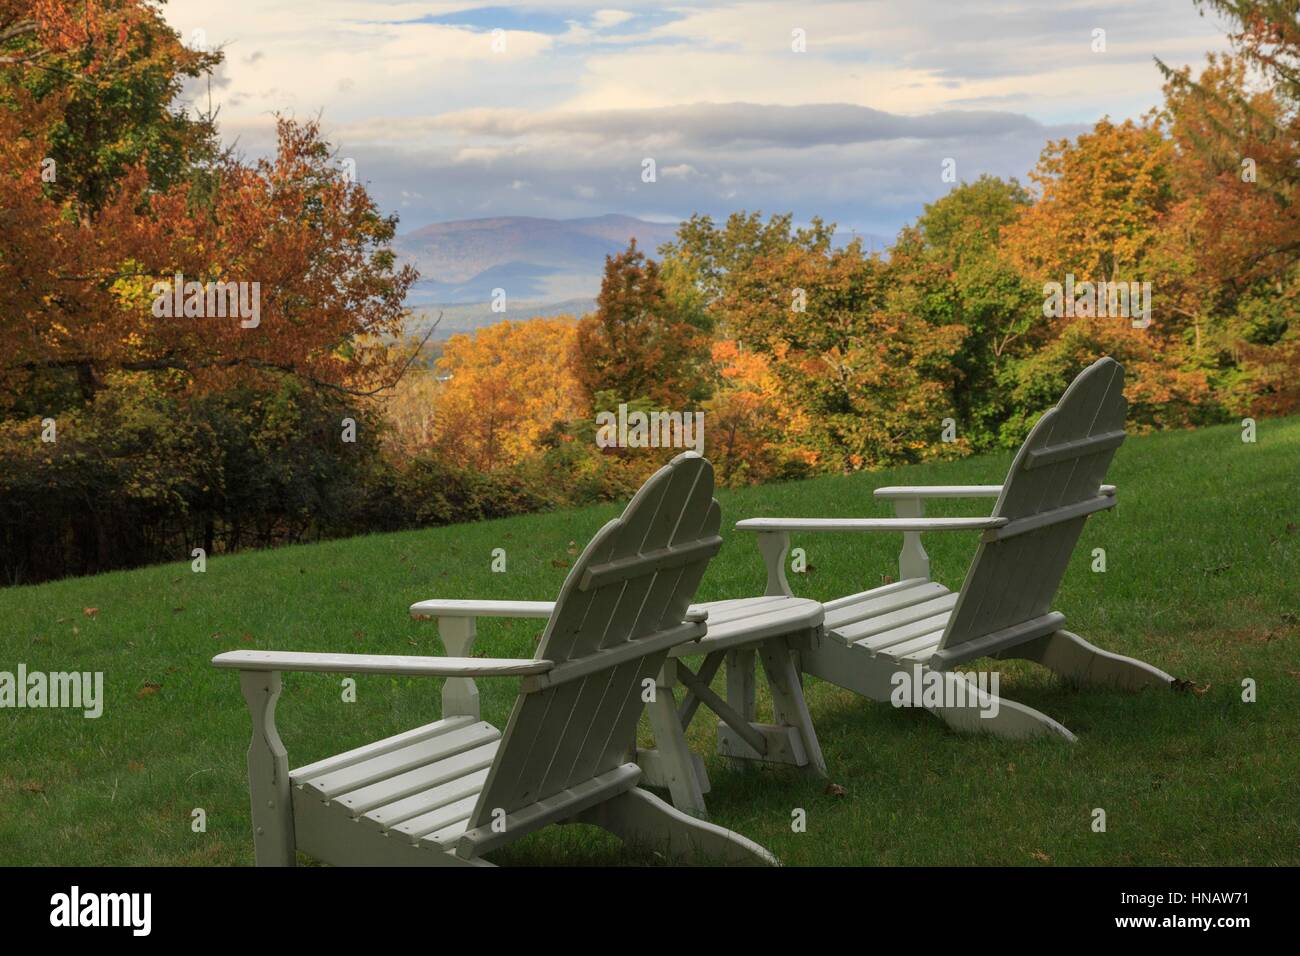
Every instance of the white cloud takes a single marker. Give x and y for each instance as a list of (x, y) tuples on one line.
[(604, 19), (558, 123)]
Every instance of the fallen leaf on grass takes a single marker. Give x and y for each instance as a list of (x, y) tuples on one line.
[(148, 690), (247, 638), (358, 634), (32, 786), (135, 765), (1189, 687), (90, 611), (1041, 857), (557, 563), (835, 790)]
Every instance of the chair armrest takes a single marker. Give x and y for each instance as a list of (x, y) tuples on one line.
[(521, 609), (894, 492), (869, 524), (937, 491), (380, 664)]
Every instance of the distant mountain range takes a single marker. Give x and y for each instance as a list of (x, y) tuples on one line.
[(545, 266)]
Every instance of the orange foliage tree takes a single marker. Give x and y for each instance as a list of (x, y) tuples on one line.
[(110, 192)]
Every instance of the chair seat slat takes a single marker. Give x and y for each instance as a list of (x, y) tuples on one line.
[(383, 793), (337, 782), (426, 801)]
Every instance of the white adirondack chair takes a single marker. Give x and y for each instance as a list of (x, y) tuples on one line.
[(740, 632), (450, 791), (1003, 609)]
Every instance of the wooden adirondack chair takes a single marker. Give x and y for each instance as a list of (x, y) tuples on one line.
[(741, 632), (450, 791), (1003, 609)]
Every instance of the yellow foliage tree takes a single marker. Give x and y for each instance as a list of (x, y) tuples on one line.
[(501, 389)]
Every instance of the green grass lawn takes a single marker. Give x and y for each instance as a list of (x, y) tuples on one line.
[(1202, 580)]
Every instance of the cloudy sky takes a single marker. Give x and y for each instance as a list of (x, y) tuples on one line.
[(455, 111)]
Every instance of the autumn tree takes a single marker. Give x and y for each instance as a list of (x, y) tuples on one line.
[(636, 345), (751, 434), (111, 191), (870, 385), (502, 388), (952, 270), (98, 80), (704, 261), (293, 228), (1234, 242), (1101, 198), (1106, 200), (1230, 236)]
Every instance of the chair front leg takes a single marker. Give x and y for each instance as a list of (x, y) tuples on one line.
[(268, 773)]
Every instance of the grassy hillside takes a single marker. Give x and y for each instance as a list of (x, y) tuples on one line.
[(1203, 580)]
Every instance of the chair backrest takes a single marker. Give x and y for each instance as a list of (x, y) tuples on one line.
[(1054, 484), (621, 609)]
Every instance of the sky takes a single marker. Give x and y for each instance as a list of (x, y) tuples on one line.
[(455, 111)]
